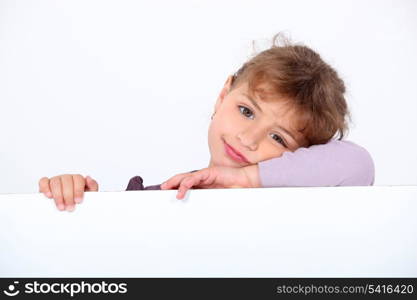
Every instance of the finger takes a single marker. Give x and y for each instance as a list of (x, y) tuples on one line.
[(67, 185), (44, 187), (181, 177), (174, 181), (183, 188), (185, 185), (79, 187), (195, 180), (92, 185), (55, 184)]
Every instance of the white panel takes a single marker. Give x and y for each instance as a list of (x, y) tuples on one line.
[(324, 232)]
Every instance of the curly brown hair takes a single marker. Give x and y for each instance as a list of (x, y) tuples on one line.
[(298, 74)]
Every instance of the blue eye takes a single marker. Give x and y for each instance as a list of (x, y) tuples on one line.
[(279, 140), (244, 111)]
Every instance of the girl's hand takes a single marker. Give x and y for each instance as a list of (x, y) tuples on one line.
[(67, 189), (213, 177)]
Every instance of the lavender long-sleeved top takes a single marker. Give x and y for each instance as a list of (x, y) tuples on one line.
[(337, 163)]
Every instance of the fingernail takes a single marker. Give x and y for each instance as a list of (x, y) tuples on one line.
[(48, 194), (70, 208), (78, 200), (61, 206)]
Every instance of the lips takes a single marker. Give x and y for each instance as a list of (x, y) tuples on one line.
[(234, 154)]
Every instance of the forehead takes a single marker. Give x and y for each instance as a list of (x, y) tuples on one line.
[(263, 95)]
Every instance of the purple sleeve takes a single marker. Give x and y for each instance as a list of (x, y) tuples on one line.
[(136, 184), (337, 163)]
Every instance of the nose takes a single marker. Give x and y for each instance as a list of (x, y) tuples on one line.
[(251, 137)]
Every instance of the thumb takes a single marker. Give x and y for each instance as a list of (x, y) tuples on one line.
[(91, 184)]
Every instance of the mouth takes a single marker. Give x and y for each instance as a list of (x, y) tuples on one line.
[(234, 154)]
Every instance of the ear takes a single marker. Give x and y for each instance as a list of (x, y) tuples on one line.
[(225, 90)]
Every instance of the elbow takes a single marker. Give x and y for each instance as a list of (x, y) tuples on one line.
[(368, 169), (363, 171)]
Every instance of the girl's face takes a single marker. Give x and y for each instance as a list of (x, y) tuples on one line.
[(245, 131)]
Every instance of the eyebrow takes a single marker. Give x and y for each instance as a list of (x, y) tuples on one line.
[(287, 132), (253, 102), (259, 108)]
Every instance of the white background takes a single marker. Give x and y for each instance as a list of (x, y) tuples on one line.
[(115, 89)]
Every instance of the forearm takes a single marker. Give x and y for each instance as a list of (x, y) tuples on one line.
[(337, 163)]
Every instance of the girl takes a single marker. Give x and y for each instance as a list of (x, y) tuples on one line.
[(273, 125)]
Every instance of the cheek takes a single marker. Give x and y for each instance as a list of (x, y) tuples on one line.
[(214, 136), (231, 124), (268, 150), (275, 152), (226, 124), (218, 130)]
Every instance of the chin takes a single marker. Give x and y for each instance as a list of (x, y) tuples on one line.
[(223, 162), (229, 163)]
